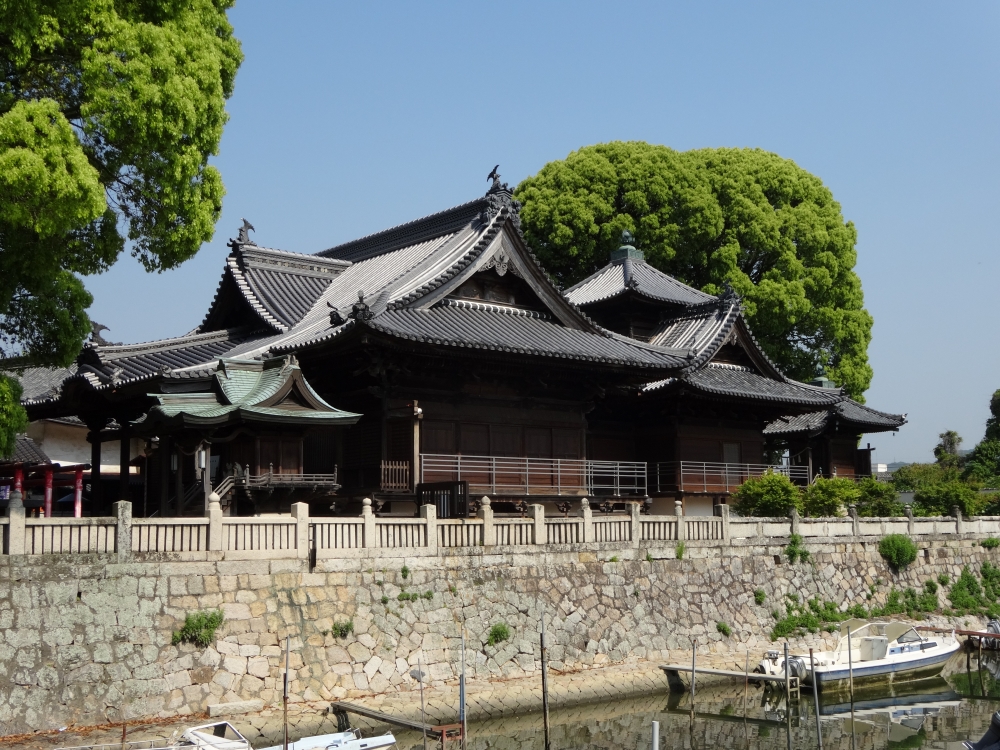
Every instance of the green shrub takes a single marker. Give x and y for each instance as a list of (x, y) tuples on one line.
[(938, 499), (342, 629), (943, 579), (405, 572), (930, 587), (795, 551), (966, 594), (498, 633), (898, 550), (385, 599), (613, 558), (990, 543), (829, 497), (878, 499), (428, 595), (199, 628), (759, 596), (724, 629), (769, 494), (649, 558), (679, 550)]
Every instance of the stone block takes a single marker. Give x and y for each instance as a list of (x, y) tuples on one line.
[(235, 708)]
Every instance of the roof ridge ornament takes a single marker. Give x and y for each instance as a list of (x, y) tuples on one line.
[(626, 250), (243, 236), (498, 198), (360, 309)]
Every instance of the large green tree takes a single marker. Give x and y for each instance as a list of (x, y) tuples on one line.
[(109, 112), (711, 216)]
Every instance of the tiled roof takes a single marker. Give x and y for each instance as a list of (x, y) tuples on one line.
[(42, 382), (848, 410), (496, 331), (26, 451), (638, 276), (739, 382), (412, 233), (279, 286)]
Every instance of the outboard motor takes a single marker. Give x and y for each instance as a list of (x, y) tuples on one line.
[(990, 740), (796, 667), (992, 627)]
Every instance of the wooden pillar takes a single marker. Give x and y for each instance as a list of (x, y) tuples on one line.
[(124, 456), (48, 491), (96, 492), (165, 449), (178, 508), (78, 494)]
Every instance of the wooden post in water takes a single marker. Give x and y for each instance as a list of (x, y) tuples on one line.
[(545, 684), (815, 682), (284, 696), (694, 650), (788, 701)]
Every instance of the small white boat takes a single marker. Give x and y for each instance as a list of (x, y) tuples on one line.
[(218, 736), (349, 740), (880, 652)]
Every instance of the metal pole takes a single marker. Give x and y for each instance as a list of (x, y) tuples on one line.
[(694, 648), (788, 687), (656, 735), (815, 686), (423, 716), (284, 695), (746, 683), (850, 666), (462, 714), (545, 685)]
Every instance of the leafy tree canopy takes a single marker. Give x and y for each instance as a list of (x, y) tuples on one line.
[(825, 498), (946, 451), (109, 111), (993, 423), (878, 499), (711, 216)]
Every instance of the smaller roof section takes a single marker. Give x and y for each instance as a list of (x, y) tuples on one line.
[(241, 391), (27, 451), (628, 272), (847, 412)]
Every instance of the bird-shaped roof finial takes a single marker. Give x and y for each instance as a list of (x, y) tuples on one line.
[(495, 176), (244, 236)]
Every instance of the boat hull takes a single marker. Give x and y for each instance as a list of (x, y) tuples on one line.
[(883, 670)]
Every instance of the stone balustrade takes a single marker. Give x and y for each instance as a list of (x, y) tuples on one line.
[(300, 536)]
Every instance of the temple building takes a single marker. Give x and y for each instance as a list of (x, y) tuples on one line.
[(437, 362)]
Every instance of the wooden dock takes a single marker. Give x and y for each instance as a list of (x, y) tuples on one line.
[(449, 732), (967, 633), (676, 685)]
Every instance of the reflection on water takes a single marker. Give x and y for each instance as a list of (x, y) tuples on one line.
[(934, 713)]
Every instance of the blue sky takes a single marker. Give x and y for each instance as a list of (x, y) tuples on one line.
[(351, 117)]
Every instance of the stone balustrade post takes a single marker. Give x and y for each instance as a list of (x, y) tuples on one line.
[(793, 514), (371, 533), (852, 513), (489, 530), (15, 523), (908, 512), (214, 523), (724, 515), (429, 514), (681, 525), (588, 520), (957, 513), (633, 511), (537, 513), (123, 530), (300, 512)]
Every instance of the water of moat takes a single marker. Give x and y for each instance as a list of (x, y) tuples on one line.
[(937, 713)]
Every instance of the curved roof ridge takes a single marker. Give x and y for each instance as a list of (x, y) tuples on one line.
[(168, 343), (637, 276), (408, 233)]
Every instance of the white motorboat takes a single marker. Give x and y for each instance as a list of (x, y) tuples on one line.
[(879, 652), (349, 740), (218, 736)]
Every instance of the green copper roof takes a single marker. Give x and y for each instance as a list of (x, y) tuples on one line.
[(272, 391)]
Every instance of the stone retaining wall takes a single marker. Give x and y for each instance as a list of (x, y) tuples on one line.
[(84, 638)]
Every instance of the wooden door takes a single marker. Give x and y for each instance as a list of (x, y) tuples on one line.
[(269, 450)]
